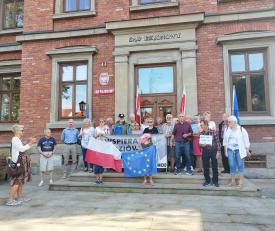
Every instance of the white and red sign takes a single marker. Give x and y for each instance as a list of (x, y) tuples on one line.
[(104, 78), (103, 91)]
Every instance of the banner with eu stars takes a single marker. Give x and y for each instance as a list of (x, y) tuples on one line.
[(140, 163)]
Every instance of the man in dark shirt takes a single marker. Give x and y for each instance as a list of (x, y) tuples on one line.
[(182, 133), (210, 152), (222, 128)]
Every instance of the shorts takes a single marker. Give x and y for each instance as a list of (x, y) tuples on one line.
[(46, 164)]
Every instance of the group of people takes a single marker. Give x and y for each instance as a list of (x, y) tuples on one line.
[(184, 149)]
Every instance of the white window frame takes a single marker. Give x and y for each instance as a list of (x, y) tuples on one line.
[(244, 42), (59, 11), (72, 54), (135, 6)]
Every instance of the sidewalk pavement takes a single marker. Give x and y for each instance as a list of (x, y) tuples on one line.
[(51, 210)]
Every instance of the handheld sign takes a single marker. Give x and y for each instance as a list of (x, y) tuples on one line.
[(206, 140)]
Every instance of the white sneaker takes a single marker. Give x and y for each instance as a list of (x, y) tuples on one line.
[(192, 169), (41, 183), (185, 169), (51, 181)]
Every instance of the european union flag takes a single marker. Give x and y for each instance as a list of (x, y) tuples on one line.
[(140, 163)]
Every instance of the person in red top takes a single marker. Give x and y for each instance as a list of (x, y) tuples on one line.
[(182, 133)]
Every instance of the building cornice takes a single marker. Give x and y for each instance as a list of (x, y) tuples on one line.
[(246, 36), (60, 34), (157, 21), (240, 16), (10, 47), (73, 50)]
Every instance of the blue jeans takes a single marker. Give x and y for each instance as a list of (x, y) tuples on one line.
[(183, 147), (236, 164)]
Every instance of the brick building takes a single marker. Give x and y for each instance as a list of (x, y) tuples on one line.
[(54, 54)]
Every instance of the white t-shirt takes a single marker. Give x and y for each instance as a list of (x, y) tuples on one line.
[(86, 133), (233, 140), (17, 146)]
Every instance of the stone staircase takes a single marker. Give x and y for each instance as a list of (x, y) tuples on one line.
[(164, 184)]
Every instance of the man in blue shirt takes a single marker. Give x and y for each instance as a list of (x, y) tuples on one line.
[(46, 147), (70, 137)]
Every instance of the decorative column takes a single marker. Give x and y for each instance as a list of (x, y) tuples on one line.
[(121, 84), (189, 80)]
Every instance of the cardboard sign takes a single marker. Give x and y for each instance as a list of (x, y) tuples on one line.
[(206, 140)]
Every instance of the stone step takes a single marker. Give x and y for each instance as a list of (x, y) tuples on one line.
[(163, 178), (249, 189)]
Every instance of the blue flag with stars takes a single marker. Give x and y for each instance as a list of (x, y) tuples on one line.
[(140, 163)]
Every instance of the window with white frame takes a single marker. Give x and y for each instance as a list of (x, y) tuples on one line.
[(76, 5), (248, 72)]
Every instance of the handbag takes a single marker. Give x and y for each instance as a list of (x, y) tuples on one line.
[(15, 169)]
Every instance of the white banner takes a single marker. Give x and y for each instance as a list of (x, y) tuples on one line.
[(127, 143)]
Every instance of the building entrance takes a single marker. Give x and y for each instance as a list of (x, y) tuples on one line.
[(157, 90)]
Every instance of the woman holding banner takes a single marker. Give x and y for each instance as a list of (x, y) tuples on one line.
[(100, 132)]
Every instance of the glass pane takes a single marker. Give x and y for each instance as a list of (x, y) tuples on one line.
[(80, 95), (6, 84), (152, 1), (258, 93), (81, 72), (9, 17), (146, 112), (16, 83), (67, 73), (84, 4), (20, 14), (15, 107), (156, 80), (5, 107), (256, 61), (237, 63), (67, 101), (70, 5), (240, 84)]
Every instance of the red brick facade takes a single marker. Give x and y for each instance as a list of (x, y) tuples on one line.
[(36, 66)]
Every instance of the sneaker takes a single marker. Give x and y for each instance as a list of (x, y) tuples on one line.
[(86, 170), (23, 199), (97, 181), (41, 183), (224, 171), (90, 170), (185, 169), (189, 173), (176, 172), (192, 169), (51, 181), (205, 184), (216, 184), (13, 203), (100, 181)]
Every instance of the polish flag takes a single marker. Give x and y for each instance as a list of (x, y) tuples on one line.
[(104, 154), (183, 102), (137, 109)]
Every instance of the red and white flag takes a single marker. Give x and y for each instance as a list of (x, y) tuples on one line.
[(104, 154), (183, 101), (137, 109)]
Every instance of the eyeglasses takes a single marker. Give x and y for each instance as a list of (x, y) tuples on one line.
[(101, 121)]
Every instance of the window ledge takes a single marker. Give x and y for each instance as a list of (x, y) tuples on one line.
[(153, 6), (12, 31), (63, 124), (257, 120), (5, 127), (75, 14)]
